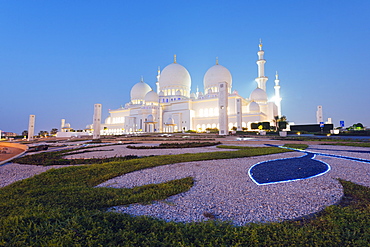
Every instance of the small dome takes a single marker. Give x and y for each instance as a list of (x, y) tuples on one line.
[(139, 90), (253, 107), (151, 97), (108, 120), (174, 76), (217, 73), (258, 95)]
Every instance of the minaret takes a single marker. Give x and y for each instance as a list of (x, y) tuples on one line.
[(277, 94), (261, 79), (158, 76)]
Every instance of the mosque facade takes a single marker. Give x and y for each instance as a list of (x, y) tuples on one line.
[(171, 106)]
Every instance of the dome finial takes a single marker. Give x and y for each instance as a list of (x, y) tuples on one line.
[(174, 58), (260, 45), (142, 79), (216, 60)]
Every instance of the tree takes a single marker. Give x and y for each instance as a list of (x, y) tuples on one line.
[(43, 133), (25, 133), (358, 126), (280, 122), (53, 131)]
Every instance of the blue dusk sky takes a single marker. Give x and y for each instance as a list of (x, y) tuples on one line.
[(59, 58)]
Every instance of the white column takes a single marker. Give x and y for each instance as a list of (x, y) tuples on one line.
[(239, 114), (31, 127), (160, 118), (62, 124), (319, 115), (222, 108), (97, 121)]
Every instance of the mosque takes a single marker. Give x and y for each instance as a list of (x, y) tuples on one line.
[(171, 106)]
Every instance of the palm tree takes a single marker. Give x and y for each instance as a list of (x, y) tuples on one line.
[(280, 122)]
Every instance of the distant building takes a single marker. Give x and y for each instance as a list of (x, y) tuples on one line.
[(8, 134)]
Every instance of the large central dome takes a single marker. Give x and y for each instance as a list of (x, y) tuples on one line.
[(175, 76), (214, 76)]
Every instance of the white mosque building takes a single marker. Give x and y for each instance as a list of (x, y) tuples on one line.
[(171, 107)]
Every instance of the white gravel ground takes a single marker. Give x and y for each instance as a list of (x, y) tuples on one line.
[(222, 188), (122, 150), (12, 172)]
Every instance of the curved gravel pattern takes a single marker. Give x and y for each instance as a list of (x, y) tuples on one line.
[(223, 190), (122, 150), (12, 172)]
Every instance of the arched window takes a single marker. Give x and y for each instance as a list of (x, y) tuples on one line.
[(203, 127), (214, 126), (201, 113), (206, 112)]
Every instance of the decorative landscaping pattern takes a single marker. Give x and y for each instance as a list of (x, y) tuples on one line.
[(62, 207), (177, 145), (286, 170)]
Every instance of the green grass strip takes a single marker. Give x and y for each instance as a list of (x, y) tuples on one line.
[(296, 146)]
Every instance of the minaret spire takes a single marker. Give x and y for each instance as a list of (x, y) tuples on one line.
[(260, 45), (261, 79), (277, 94)]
